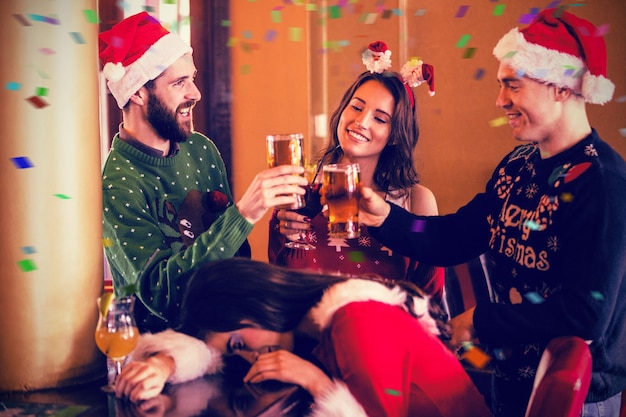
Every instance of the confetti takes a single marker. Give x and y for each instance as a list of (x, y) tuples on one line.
[(597, 295), (526, 18), (270, 35), (91, 16), (622, 132), (418, 226), (41, 91), (247, 34), (498, 9), (370, 18), (47, 51), (22, 19), (463, 41), (420, 12), (107, 242), (462, 11), (37, 102), (469, 53), (13, 86), (532, 225), (602, 30), (500, 121), (476, 357), (387, 14), (295, 34), (356, 257), (22, 162), (621, 99), (78, 38), (534, 297), (29, 250), (27, 265), (62, 196), (480, 73), (276, 16), (225, 23), (567, 197), (45, 19), (334, 12), (393, 392)]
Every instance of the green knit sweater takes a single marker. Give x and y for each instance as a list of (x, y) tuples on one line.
[(163, 219)]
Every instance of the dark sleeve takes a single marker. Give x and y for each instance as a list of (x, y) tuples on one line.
[(437, 240)]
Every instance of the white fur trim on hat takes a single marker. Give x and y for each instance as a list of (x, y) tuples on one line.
[(163, 53), (337, 401), (192, 356), (551, 66), (358, 290)]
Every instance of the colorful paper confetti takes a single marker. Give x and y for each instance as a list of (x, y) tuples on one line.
[(393, 392), (461, 11), (62, 196), (13, 86), (498, 9), (37, 102), (91, 16), (480, 73), (78, 38), (469, 53), (27, 265), (476, 357), (22, 19), (463, 41), (22, 162), (356, 257), (29, 250), (500, 121), (534, 297)]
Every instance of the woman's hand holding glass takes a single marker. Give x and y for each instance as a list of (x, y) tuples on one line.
[(142, 380)]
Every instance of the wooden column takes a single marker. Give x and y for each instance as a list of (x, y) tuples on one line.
[(51, 263)]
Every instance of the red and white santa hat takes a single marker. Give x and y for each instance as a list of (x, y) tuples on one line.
[(136, 50), (561, 49)]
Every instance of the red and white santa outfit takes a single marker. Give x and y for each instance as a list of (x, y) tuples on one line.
[(383, 361)]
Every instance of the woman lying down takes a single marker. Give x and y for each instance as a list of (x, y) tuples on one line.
[(378, 349)]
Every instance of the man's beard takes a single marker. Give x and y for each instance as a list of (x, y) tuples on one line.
[(164, 121)]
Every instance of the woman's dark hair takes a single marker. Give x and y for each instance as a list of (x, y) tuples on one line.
[(221, 295), (395, 172)]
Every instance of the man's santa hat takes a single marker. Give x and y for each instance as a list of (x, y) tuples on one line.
[(136, 50), (561, 49)]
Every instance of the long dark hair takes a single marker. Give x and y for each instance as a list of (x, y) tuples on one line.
[(222, 294), (395, 172)]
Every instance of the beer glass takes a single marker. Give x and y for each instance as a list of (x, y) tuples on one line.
[(286, 149), (342, 191)]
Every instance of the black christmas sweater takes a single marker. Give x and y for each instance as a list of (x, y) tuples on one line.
[(555, 232)]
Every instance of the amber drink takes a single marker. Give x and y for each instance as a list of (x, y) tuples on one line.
[(286, 149), (342, 191)]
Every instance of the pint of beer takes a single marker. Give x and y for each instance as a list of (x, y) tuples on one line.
[(342, 191), (286, 149)]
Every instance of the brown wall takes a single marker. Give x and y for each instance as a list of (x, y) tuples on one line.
[(281, 85)]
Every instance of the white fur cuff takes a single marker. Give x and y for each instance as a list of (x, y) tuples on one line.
[(338, 402), (193, 357)]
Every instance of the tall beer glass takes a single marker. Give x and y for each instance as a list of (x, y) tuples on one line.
[(286, 149), (342, 190)]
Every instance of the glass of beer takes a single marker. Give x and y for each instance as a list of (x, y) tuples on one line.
[(286, 149), (342, 191)]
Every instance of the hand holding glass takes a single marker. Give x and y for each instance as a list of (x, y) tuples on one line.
[(342, 192), (116, 333), (286, 149), (311, 209)]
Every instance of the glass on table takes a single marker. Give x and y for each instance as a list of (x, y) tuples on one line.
[(116, 333), (286, 149), (342, 192)]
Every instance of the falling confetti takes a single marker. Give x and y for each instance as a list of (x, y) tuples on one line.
[(37, 102), (480, 73), (13, 86), (91, 16), (22, 20), (27, 265), (393, 392), (463, 41), (500, 121), (78, 38), (22, 162), (469, 53), (29, 250), (418, 226), (295, 34), (534, 298), (356, 257), (498, 9), (461, 11), (62, 196), (45, 19), (476, 357)]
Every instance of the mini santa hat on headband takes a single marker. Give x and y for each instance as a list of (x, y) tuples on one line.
[(561, 49), (416, 72), (136, 50)]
